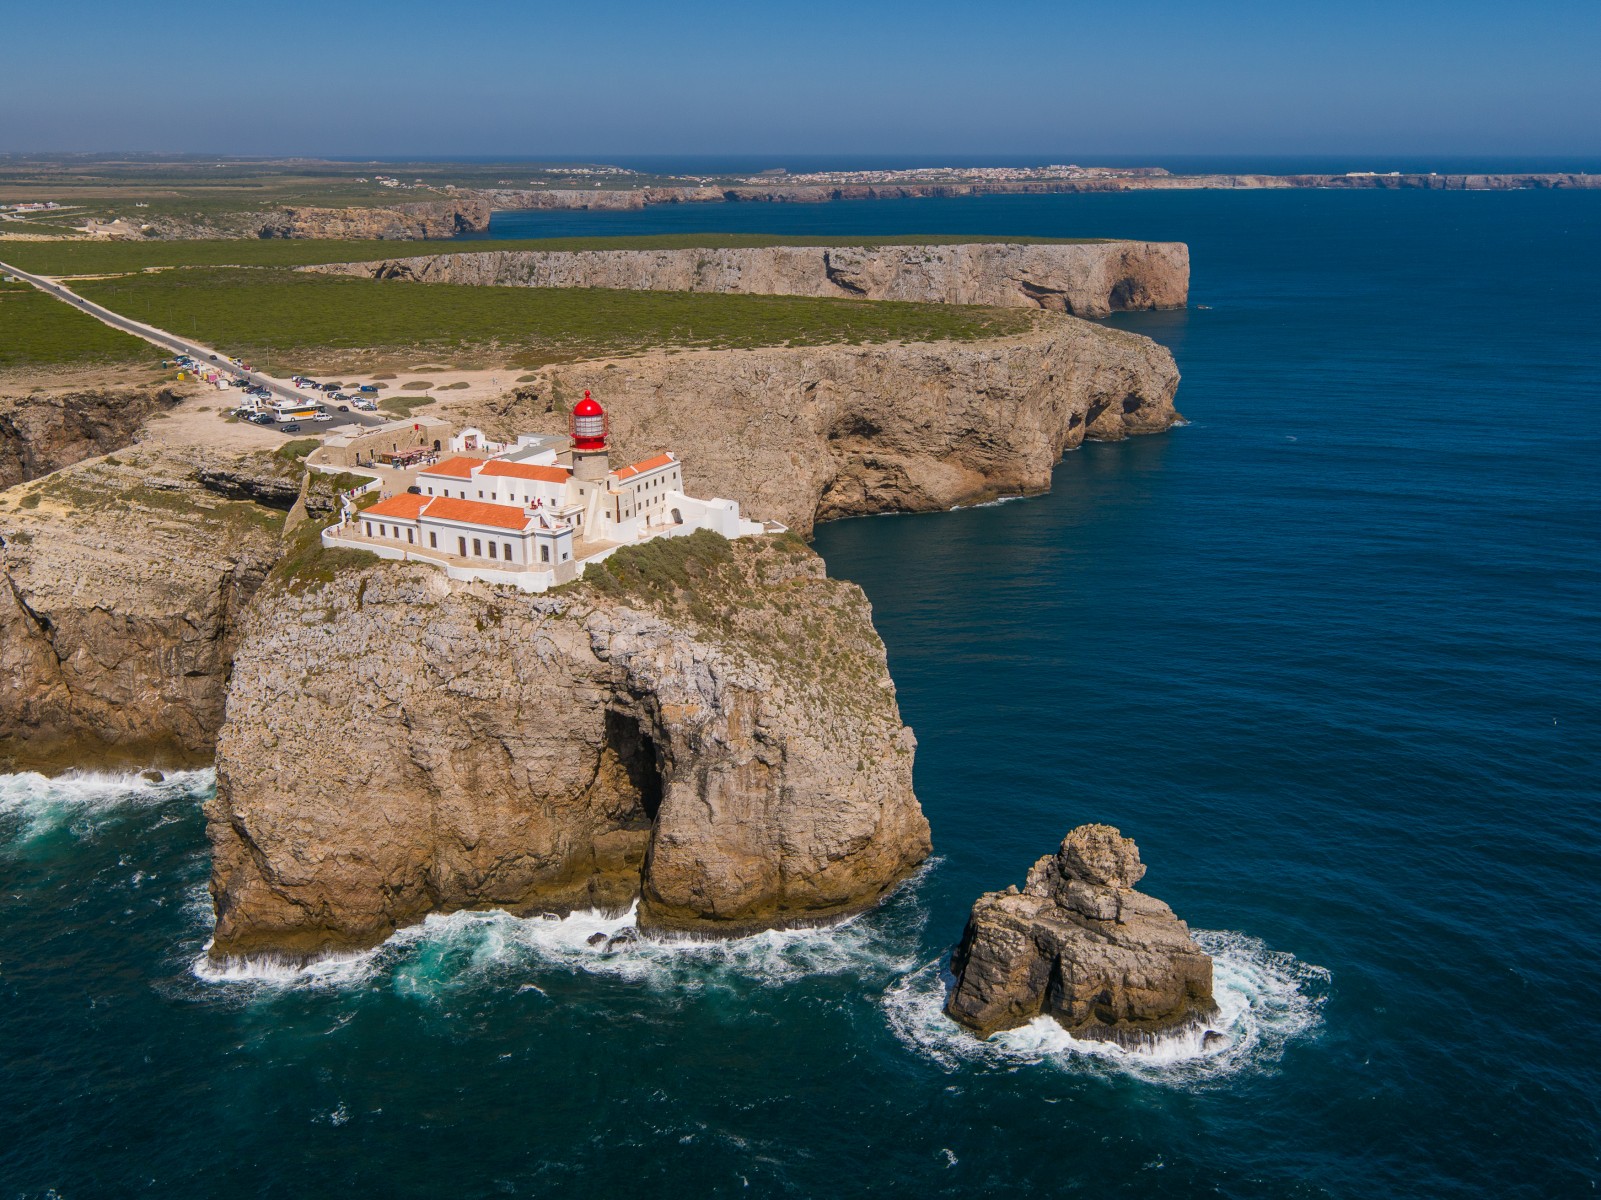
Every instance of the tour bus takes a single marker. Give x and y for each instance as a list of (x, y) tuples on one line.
[(296, 410)]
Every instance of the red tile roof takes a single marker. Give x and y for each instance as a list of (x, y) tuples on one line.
[(516, 470), (477, 512), (405, 506), (456, 468), (644, 468)]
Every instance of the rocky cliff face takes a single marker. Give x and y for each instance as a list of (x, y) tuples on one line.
[(1088, 280), (122, 583), (1079, 944), (434, 219), (710, 729), (637, 198), (46, 431), (810, 433)]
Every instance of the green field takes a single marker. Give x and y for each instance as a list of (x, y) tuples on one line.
[(282, 319), (36, 330), (96, 258)]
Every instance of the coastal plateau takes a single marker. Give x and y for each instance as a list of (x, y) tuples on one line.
[(1087, 279), (637, 198), (801, 434), (704, 728)]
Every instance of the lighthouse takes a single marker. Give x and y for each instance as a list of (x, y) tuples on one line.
[(588, 428)]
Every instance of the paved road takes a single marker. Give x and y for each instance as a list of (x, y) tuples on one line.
[(199, 352)]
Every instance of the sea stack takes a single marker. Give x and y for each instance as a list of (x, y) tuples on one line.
[(1079, 944)]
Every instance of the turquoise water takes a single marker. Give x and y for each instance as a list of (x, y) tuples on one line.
[(1331, 653)]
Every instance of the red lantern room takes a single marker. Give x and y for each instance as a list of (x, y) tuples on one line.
[(589, 425)]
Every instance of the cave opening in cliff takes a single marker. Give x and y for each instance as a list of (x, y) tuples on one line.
[(636, 751)]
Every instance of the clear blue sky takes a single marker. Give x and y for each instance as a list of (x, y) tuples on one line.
[(1133, 78)]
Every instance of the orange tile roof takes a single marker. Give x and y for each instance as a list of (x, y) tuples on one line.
[(517, 470), (457, 468), (405, 505), (477, 512), (650, 464)]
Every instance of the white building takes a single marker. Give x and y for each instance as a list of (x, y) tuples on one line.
[(523, 516)]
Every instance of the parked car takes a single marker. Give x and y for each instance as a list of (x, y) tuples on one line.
[(368, 387), (417, 491), (292, 427), (344, 408), (263, 419)]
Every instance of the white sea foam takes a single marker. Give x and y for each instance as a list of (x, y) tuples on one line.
[(32, 805), (1265, 999), (444, 952), (999, 500)]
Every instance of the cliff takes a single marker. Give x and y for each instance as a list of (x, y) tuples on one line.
[(124, 580), (709, 729), (799, 434), (1088, 279), (433, 219), (1079, 944), (45, 431), (637, 198)]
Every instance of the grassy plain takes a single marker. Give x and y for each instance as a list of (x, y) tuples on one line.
[(36, 330), (105, 257), (283, 319)]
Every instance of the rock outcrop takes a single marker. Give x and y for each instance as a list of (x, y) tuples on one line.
[(810, 433), (431, 219), (1087, 279), (122, 583), (707, 728), (45, 431), (1079, 944)]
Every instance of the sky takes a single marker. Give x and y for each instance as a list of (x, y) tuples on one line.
[(1061, 79)]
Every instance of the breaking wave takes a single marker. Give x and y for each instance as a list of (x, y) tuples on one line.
[(1266, 998), (468, 949), (33, 805)]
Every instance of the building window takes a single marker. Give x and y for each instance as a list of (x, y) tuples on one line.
[(506, 551), (480, 493), (492, 552), (478, 548), (544, 554), (409, 538), (369, 528), (433, 541), (463, 542), (430, 491)]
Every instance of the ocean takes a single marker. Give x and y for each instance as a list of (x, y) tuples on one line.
[(1330, 653)]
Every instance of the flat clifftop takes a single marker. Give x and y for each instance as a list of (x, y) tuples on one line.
[(709, 728), (802, 434), (637, 198), (122, 582), (1088, 279)]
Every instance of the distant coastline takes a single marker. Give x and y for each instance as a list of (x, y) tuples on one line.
[(817, 193)]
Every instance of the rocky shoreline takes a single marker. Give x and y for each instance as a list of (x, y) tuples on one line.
[(1085, 279), (396, 745), (806, 434), (624, 199), (714, 737)]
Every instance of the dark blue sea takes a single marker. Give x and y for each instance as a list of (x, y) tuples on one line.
[(1331, 653)]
